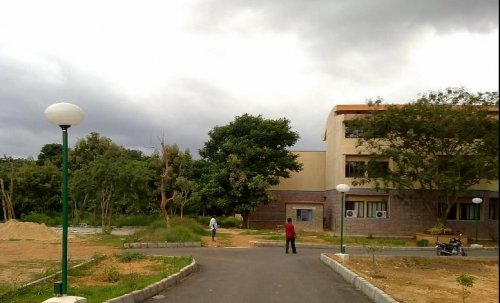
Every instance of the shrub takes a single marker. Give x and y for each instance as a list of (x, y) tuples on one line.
[(111, 274), (422, 242), (230, 221), (439, 229), (131, 256), (465, 281), (53, 220)]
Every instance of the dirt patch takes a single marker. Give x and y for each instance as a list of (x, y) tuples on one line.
[(427, 280), (229, 238), (15, 230), (107, 268)]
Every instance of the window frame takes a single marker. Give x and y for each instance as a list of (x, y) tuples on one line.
[(301, 216)]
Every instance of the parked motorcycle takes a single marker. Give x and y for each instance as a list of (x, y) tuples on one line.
[(454, 248)]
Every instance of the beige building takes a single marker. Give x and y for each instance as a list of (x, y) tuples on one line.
[(311, 200)]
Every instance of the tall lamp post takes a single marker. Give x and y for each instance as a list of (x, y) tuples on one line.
[(342, 188), (64, 115), (477, 201)]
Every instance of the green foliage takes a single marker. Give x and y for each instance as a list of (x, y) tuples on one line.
[(422, 242), (53, 220), (441, 144), (439, 229), (111, 274), (186, 230), (242, 160), (465, 281), (131, 256), (230, 221)]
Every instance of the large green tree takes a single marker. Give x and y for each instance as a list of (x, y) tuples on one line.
[(441, 144), (245, 158)]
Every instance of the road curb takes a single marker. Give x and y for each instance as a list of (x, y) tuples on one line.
[(372, 292), (329, 246), (160, 244), (152, 290)]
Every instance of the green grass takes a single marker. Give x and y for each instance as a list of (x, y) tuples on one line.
[(122, 283), (185, 230)]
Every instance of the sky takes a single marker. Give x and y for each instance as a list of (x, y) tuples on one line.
[(146, 70)]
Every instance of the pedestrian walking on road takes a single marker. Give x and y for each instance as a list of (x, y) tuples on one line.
[(213, 227), (290, 235)]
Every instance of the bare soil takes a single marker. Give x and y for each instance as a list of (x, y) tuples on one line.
[(427, 280)]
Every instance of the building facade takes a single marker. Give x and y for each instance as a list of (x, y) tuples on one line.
[(310, 195)]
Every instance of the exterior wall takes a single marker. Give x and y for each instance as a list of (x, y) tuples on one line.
[(273, 214), (312, 175), (317, 215), (306, 185)]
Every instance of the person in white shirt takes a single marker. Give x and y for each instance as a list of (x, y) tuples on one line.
[(213, 227)]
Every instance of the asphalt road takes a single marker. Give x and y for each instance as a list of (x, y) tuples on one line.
[(229, 275), (267, 274)]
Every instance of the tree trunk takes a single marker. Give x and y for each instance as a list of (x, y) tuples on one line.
[(106, 209), (7, 199), (164, 201), (246, 221)]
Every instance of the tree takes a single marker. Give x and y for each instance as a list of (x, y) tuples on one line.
[(244, 159), (172, 163), (94, 145), (105, 182), (8, 193), (441, 145), (50, 152)]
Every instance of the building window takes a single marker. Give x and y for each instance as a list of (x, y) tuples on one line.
[(493, 209), (352, 131), (468, 211), (378, 169), (357, 206), (374, 206), (354, 169), (304, 215), (452, 214)]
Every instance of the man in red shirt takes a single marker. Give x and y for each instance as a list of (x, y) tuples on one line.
[(290, 235)]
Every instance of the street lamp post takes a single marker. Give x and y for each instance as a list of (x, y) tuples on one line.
[(342, 188), (64, 115), (477, 201)]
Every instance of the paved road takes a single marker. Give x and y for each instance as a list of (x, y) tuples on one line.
[(263, 274), (267, 274)]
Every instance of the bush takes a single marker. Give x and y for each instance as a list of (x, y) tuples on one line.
[(130, 256), (53, 220), (439, 229), (185, 230), (230, 221), (422, 242)]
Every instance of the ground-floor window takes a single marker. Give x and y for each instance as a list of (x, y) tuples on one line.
[(304, 215), (466, 211), (366, 207)]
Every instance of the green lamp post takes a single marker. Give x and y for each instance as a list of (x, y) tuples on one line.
[(476, 202), (64, 115), (342, 188)]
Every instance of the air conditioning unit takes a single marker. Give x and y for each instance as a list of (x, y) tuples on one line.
[(351, 213), (380, 214)]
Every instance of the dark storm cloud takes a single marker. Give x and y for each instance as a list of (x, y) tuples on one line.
[(334, 32)]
